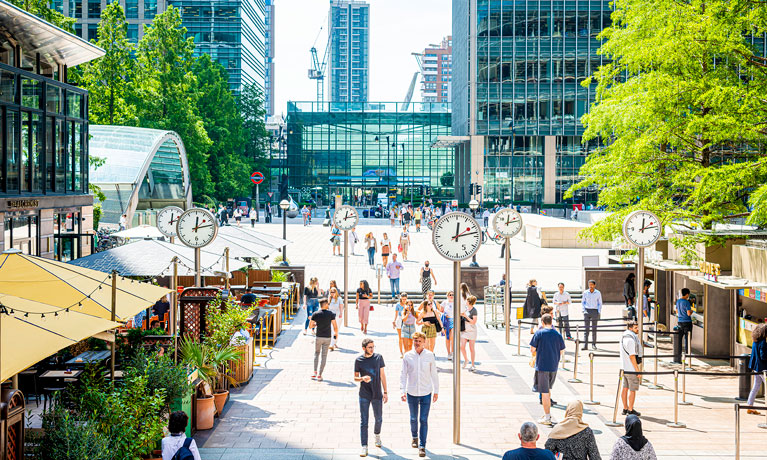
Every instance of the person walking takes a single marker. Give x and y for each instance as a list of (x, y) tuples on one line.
[(335, 239), (364, 294), (486, 217), (123, 222), (631, 358), (591, 303), (370, 245), (629, 294), (305, 214), (469, 319), (532, 306), (419, 385), (393, 215), (253, 215), (238, 216), (409, 320), (385, 250), (369, 371), (427, 275), (311, 300), (397, 323), (562, 301), (758, 362), (447, 322), (418, 215), (633, 445), (336, 305), (353, 240), (325, 321), (430, 323), (572, 437), (684, 318), (528, 436), (404, 242), (393, 270), (547, 347)]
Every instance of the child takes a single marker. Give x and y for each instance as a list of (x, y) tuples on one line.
[(177, 438)]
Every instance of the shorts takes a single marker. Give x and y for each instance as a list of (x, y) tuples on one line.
[(447, 326), (429, 330), (545, 381), (631, 381), (336, 241), (398, 322), (408, 330)]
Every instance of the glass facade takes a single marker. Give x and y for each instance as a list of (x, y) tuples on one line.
[(348, 60), (527, 100), (365, 151)]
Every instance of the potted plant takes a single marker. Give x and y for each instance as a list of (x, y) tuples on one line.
[(198, 354), (222, 358)]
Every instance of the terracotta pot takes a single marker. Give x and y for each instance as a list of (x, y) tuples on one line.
[(206, 411), (220, 398)]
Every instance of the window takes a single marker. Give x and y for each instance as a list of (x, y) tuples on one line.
[(131, 9), (92, 32), (13, 154), (133, 33), (150, 9), (76, 9), (94, 9)]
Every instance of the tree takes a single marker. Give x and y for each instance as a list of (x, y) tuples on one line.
[(217, 107), (255, 136), (166, 91), (447, 179), (42, 9), (109, 78), (681, 115)]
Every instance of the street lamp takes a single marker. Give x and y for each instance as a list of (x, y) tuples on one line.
[(473, 205), (284, 205)]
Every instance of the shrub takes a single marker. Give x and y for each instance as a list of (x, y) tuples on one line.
[(161, 374), (70, 438)]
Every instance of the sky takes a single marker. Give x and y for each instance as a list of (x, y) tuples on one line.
[(397, 28)]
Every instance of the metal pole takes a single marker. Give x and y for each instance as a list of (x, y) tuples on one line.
[(346, 277), (507, 294), (615, 408), (226, 280), (575, 378), (737, 431), (688, 367), (173, 307), (519, 337), (197, 275), (284, 235), (457, 304), (113, 348), (258, 205), (591, 381), (577, 340), (640, 309), (675, 423), (684, 401), (654, 385)]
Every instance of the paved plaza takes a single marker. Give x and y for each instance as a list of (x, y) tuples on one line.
[(282, 413)]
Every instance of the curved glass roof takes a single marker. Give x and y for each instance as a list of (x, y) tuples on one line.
[(143, 168)]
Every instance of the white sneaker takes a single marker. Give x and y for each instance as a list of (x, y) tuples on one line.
[(378, 440), (472, 368), (450, 357), (364, 451), (546, 420)]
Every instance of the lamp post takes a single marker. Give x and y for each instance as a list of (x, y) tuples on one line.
[(284, 205), (473, 205)]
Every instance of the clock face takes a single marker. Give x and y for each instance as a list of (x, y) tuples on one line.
[(196, 228), (507, 222), (346, 217), (457, 236), (167, 218), (642, 228)]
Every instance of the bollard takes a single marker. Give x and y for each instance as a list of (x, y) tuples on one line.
[(575, 378), (676, 423), (615, 410), (268, 331), (689, 353), (591, 381), (577, 343), (764, 375), (519, 337), (737, 431), (684, 401), (261, 353)]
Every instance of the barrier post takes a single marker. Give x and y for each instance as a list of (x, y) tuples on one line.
[(684, 401), (261, 353), (655, 385), (737, 431), (676, 423), (575, 378), (268, 331), (689, 353), (519, 337), (577, 340), (764, 376), (591, 381), (615, 410)]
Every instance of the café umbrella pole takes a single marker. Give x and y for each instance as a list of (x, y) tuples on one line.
[(457, 352), (174, 308), (113, 316), (507, 293)]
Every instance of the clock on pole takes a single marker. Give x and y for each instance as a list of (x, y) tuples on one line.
[(346, 218), (196, 228), (507, 222), (167, 218)]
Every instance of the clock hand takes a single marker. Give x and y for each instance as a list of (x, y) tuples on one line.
[(642, 229), (466, 234), (462, 234), (202, 226), (457, 229)]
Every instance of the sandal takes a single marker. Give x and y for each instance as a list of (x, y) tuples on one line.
[(319, 378)]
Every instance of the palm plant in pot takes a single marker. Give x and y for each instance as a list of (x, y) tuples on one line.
[(199, 355), (222, 358)]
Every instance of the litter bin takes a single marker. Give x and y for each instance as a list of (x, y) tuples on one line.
[(677, 346), (744, 381)]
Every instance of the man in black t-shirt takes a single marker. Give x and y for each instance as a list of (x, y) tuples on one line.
[(325, 321), (248, 298), (369, 371)]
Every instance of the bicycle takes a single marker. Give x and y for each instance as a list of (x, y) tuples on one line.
[(498, 239)]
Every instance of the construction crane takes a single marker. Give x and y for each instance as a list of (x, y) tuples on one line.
[(317, 71), (409, 96)]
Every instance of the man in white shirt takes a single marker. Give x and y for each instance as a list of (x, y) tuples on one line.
[(419, 385), (631, 358), (562, 302), (486, 217)]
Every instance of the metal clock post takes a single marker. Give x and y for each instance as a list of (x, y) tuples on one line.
[(507, 223), (346, 218), (167, 218), (450, 247)]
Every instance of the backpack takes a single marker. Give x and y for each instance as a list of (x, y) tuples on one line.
[(183, 452)]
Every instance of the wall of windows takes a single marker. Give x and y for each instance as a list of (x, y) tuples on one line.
[(348, 65), (363, 150)]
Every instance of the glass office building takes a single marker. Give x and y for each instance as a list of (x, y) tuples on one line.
[(366, 152), (348, 60), (232, 32), (517, 73)]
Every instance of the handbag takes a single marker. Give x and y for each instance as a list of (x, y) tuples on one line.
[(399, 248)]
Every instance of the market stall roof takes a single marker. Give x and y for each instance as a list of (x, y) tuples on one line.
[(728, 282), (254, 236), (240, 247), (139, 232), (68, 286), (31, 331), (155, 258)]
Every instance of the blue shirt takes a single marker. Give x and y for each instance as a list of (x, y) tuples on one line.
[(529, 454), (548, 345), (592, 300), (682, 306)]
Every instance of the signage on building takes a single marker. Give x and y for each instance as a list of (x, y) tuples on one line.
[(23, 204), (711, 271)]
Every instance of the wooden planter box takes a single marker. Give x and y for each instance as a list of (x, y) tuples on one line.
[(243, 369)]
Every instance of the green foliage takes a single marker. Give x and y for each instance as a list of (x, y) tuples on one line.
[(447, 179), (280, 276), (255, 136), (134, 339), (198, 355), (222, 319), (42, 9), (279, 258), (680, 106), (161, 374), (68, 437)]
